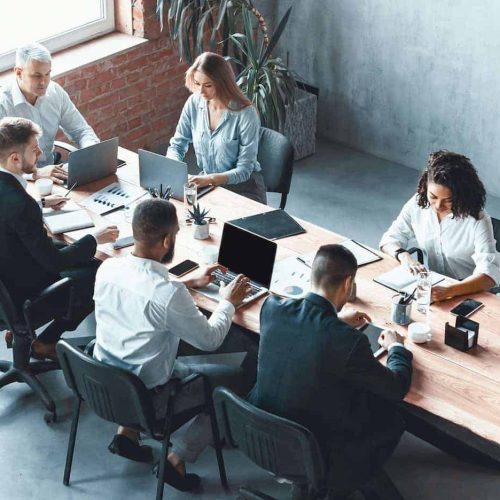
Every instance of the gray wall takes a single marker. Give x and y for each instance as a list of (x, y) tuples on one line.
[(401, 78)]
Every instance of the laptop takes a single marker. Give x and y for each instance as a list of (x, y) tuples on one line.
[(242, 252), (156, 170), (92, 163)]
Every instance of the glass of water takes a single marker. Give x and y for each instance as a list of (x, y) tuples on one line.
[(190, 195), (423, 292)]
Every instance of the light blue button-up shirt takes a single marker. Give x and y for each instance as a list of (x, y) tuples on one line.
[(230, 149)]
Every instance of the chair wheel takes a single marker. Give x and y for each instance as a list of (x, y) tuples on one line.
[(50, 417)]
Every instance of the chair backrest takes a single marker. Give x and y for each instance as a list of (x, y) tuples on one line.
[(496, 231), (276, 444), (276, 159), (114, 394)]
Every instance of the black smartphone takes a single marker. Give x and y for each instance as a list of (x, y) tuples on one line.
[(123, 242), (186, 266), (466, 307)]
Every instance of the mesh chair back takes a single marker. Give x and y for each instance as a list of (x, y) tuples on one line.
[(496, 231), (114, 394), (278, 445), (276, 159)]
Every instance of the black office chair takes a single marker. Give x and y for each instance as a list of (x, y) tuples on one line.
[(276, 159), (35, 314), (119, 396), (61, 151), (496, 234), (276, 444)]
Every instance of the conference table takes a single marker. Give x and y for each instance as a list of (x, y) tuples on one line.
[(454, 400)]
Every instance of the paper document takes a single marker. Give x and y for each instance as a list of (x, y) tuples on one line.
[(291, 278), (401, 280), (69, 218), (107, 248), (114, 196)]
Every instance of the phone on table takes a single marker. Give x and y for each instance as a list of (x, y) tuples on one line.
[(186, 266), (466, 307), (373, 333)]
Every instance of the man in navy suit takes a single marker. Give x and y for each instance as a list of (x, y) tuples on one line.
[(315, 368)]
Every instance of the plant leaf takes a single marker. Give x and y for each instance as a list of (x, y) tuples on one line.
[(277, 34)]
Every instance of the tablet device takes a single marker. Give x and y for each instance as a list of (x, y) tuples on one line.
[(373, 333)]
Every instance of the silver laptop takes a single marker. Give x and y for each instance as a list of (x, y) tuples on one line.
[(156, 170), (243, 252), (92, 163)]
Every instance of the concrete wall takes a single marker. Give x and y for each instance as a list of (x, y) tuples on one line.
[(400, 78)]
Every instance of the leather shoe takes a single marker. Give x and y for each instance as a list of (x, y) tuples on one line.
[(174, 478), (9, 337), (125, 447), (40, 351)]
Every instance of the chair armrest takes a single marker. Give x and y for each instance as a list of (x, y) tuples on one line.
[(65, 146)]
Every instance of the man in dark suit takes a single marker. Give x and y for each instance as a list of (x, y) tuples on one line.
[(29, 259), (315, 368)]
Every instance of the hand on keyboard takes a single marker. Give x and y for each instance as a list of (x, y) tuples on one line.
[(236, 291), (205, 277)]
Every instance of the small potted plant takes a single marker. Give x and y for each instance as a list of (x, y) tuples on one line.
[(201, 228)]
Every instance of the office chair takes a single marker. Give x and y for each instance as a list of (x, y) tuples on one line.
[(119, 396), (35, 314), (275, 156), (64, 147), (276, 444), (496, 234)]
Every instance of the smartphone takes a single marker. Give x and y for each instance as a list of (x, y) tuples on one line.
[(373, 333), (466, 308), (123, 242), (186, 266)]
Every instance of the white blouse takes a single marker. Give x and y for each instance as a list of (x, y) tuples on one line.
[(455, 247)]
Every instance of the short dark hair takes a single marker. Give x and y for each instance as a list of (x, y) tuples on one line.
[(16, 133), (332, 265), (456, 172), (153, 220)]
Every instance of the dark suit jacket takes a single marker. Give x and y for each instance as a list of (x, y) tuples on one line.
[(318, 371), (29, 260)]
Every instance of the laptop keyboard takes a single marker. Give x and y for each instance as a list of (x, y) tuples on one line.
[(226, 278)]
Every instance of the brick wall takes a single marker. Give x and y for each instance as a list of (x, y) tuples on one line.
[(136, 95)]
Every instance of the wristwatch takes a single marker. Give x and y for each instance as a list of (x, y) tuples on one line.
[(397, 252), (43, 202)]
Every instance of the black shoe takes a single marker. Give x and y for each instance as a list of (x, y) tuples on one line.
[(174, 478), (125, 447)]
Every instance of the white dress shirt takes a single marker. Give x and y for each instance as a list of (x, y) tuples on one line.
[(141, 315), (455, 247), (52, 111)]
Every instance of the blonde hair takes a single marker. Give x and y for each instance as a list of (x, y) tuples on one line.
[(220, 72)]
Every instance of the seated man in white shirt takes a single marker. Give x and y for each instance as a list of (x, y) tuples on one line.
[(142, 315), (33, 95)]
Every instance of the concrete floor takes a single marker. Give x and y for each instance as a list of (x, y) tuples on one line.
[(343, 190)]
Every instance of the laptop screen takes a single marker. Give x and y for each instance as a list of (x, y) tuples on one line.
[(247, 253)]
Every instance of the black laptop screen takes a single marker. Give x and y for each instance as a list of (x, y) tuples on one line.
[(247, 253)]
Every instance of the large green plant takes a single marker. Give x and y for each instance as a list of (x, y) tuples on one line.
[(241, 30)]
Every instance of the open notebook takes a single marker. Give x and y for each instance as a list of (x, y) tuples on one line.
[(69, 218), (400, 279)]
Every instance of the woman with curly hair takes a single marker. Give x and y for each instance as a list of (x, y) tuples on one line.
[(446, 217)]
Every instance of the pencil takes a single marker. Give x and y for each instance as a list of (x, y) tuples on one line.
[(70, 189)]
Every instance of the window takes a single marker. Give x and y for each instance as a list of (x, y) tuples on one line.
[(57, 24)]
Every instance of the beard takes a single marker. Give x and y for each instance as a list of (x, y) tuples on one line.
[(168, 257), (27, 167)]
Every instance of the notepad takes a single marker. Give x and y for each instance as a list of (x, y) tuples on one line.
[(272, 225), (70, 218), (400, 279)]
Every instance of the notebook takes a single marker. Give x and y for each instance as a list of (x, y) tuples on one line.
[(400, 279), (70, 218), (271, 225)]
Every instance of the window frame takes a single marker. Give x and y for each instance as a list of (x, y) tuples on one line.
[(71, 37)]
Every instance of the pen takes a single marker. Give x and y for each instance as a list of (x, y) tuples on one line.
[(70, 189), (300, 259), (115, 209)]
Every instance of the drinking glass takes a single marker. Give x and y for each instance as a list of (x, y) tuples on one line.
[(190, 195), (423, 292)]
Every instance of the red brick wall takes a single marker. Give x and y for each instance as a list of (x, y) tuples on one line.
[(136, 95)]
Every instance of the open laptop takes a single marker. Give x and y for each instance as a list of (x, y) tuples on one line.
[(92, 163), (156, 170), (245, 253)]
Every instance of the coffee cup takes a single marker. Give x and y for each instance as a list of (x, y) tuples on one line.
[(209, 254), (419, 332), (44, 186)]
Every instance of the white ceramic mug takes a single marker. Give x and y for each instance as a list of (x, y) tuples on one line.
[(209, 254), (44, 186), (419, 332)]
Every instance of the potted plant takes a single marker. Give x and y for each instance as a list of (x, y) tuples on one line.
[(201, 227)]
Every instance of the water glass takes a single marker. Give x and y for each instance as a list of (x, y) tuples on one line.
[(190, 195), (423, 292)]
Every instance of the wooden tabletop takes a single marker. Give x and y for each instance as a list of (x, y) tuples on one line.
[(463, 388)]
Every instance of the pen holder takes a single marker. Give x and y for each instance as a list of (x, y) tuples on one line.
[(400, 313), (463, 336)]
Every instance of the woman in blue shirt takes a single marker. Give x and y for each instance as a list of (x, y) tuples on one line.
[(223, 126)]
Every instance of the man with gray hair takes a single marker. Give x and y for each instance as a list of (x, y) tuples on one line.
[(34, 96)]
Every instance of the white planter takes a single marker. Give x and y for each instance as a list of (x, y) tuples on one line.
[(201, 231)]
